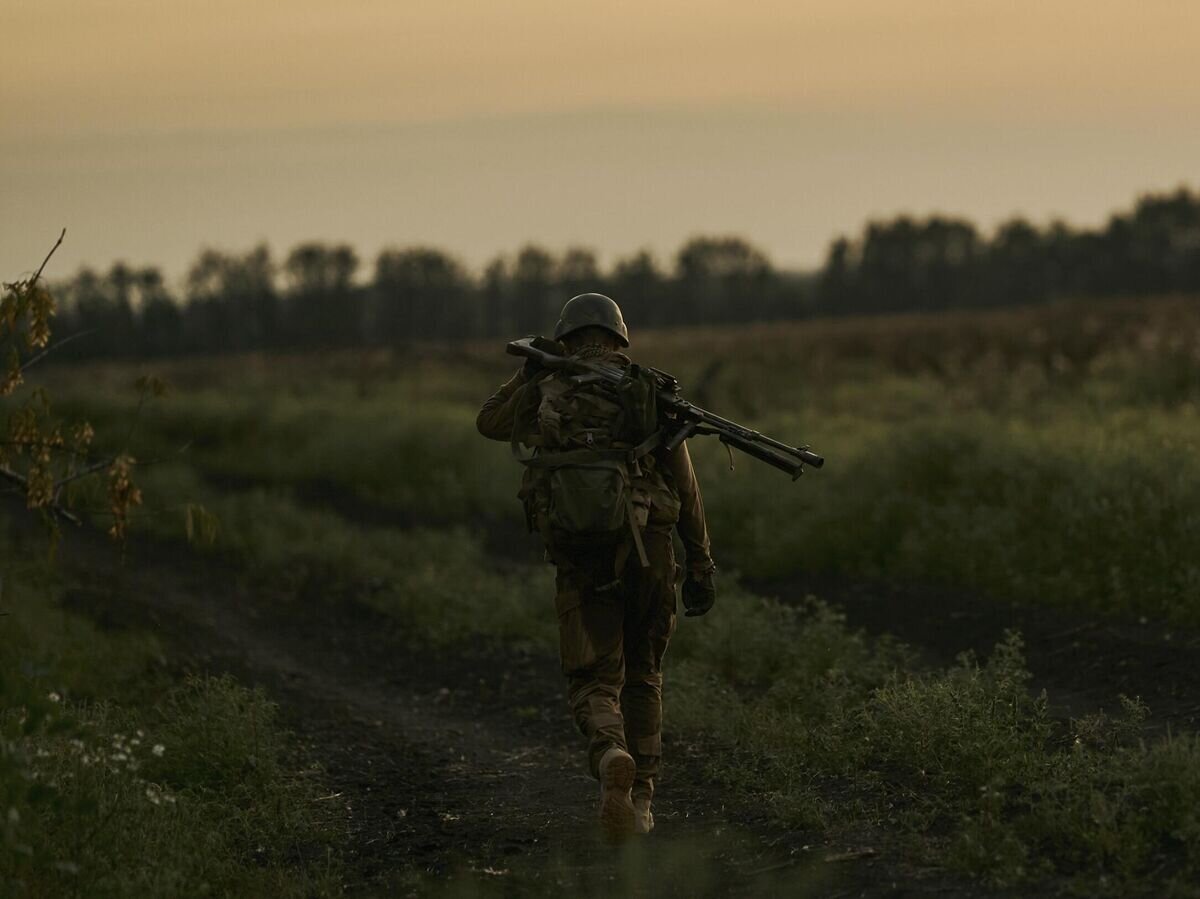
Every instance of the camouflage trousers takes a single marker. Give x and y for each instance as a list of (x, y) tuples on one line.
[(611, 641)]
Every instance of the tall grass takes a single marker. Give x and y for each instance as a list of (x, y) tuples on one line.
[(1048, 456), (827, 729), (116, 780), (1076, 501), (1102, 516)]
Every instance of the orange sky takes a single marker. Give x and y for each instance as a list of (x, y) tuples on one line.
[(150, 128)]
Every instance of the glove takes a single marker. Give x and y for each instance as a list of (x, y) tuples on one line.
[(546, 345), (699, 592)]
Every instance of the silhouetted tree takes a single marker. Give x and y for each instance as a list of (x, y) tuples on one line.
[(232, 302), (947, 258), (159, 318), (722, 279), (642, 291), (496, 298), (578, 272), (1016, 266), (906, 264), (837, 286), (323, 307), (533, 289), (420, 292), (102, 306), (1159, 244)]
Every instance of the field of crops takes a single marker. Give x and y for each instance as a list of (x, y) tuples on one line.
[(333, 530)]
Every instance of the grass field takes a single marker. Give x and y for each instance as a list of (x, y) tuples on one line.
[(1045, 457), (122, 775)]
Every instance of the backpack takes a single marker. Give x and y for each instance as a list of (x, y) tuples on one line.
[(592, 439)]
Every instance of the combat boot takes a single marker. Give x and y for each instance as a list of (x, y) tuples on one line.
[(617, 770), (643, 818)]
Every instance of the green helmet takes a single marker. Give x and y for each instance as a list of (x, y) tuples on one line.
[(591, 310)]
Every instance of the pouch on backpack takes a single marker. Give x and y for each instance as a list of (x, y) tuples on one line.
[(589, 499)]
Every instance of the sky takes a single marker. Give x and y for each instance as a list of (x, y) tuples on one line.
[(153, 128)]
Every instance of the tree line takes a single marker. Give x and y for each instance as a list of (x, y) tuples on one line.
[(908, 264), (318, 295)]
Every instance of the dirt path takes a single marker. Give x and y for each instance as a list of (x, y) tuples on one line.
[(1084, 663), (462, 765)]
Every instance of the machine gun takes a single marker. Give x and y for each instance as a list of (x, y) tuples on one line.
[(680, 418)]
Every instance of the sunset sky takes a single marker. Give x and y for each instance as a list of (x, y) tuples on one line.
[(151, 128)]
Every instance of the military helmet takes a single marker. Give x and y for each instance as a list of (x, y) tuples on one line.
[(591, 310)]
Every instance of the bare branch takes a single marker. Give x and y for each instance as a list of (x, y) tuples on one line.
[(25, 366), (57, 244), (54, 508), (83, 473), (12, 477)]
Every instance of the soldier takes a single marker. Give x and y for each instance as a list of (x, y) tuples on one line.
[(615, 599)]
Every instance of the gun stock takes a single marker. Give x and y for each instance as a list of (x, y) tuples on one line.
[(524, 347)]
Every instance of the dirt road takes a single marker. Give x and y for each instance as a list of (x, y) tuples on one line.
[(460, 768)]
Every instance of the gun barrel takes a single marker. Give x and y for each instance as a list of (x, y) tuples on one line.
[(751, 437), (809, 457), (786, 463)]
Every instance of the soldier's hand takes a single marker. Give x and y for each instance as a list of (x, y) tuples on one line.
[(699, 592), (546, 345)]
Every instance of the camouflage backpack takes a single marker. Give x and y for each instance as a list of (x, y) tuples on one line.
[(586, 481)]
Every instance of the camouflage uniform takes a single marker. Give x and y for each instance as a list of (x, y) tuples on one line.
[(612, 641)]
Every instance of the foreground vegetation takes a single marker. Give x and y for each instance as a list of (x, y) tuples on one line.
[(832, 731), (1048, 456), (117, 778), (1020, 456), (121, 777)]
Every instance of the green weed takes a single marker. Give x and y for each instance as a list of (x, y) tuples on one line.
[(115, 781)]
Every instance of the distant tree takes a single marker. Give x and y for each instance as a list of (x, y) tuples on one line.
[(939, 262), (250, 282), (641, 289), (1160, 248), (209, 312), (159, 320), (837, 285), (888, 265), (420, 292), (902, 264), (1066, 259), (232, 302), (1014, 267), (947, 256), (323, 306), (495, 295), (895, 265), (578, 272), (722, 279), (102, 306), (533, 290)]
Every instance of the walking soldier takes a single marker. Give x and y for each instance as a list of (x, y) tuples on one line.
[(605, 494)]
